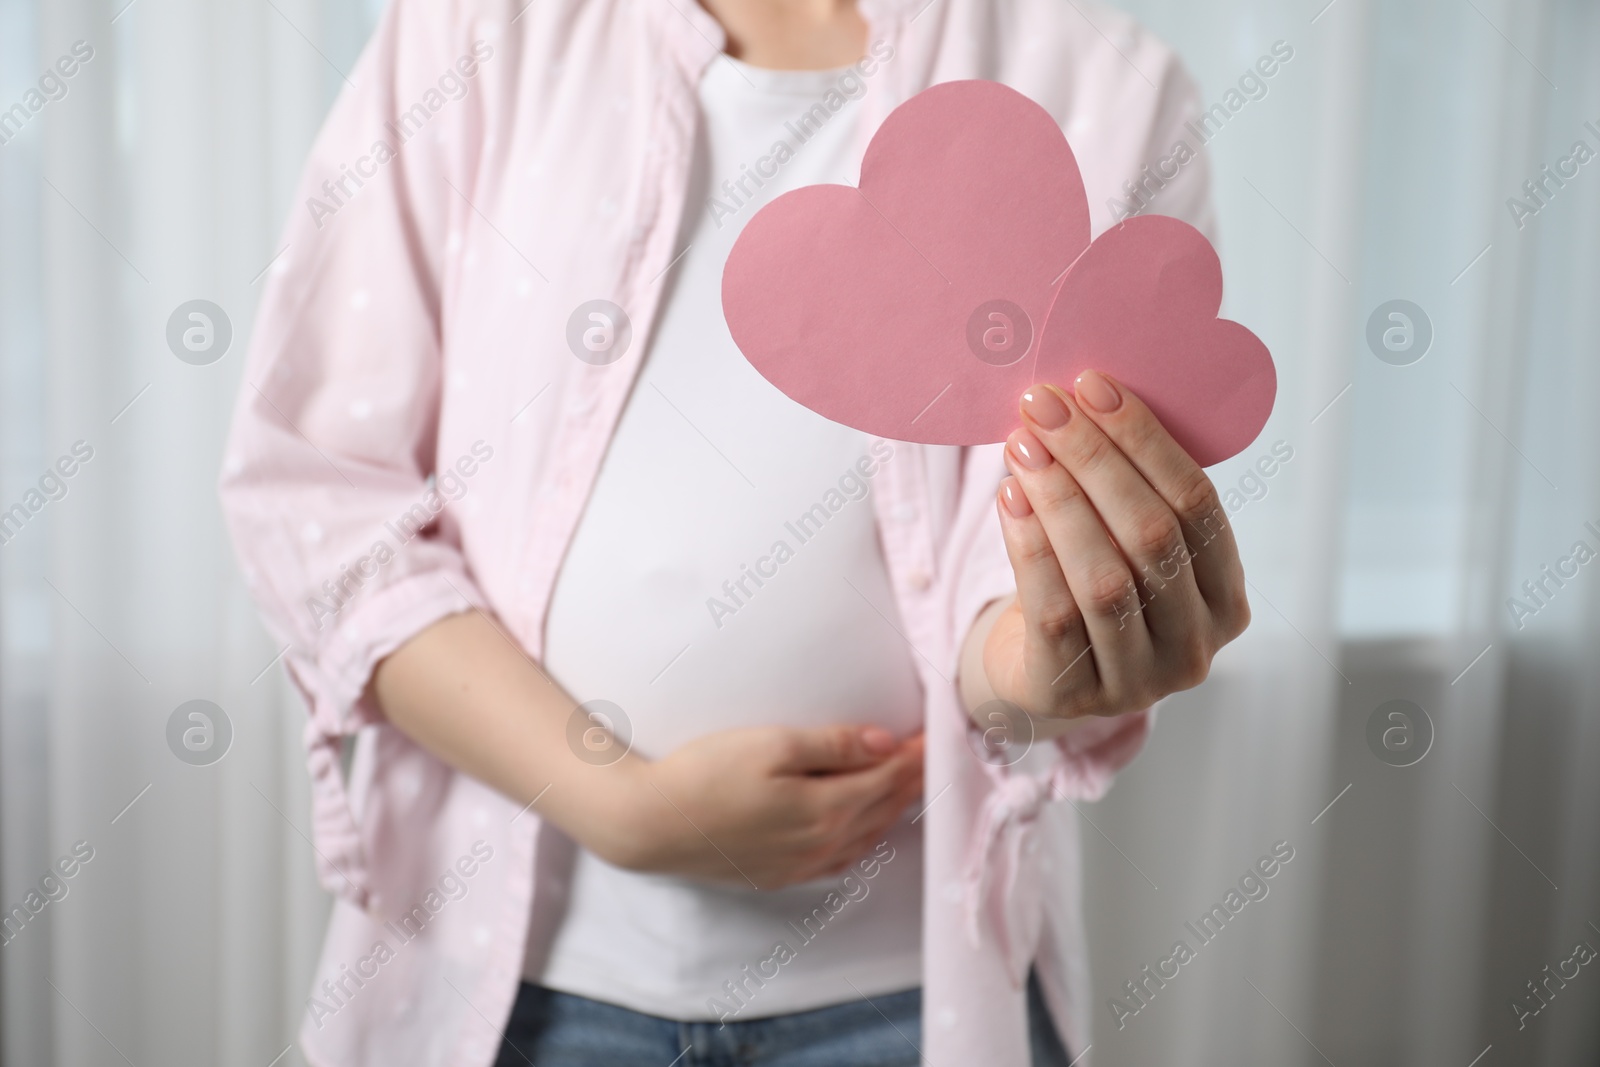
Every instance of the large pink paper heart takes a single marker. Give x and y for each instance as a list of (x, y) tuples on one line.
[(920, 306)]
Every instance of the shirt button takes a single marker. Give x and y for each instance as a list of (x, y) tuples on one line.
[(582, 403), (919, 581), (903, 513)]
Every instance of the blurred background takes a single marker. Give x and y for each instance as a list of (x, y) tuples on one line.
[(1414, 710)]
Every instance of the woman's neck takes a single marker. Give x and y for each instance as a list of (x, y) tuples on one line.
[(792, 34)]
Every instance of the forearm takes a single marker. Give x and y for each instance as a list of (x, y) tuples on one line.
[(463, 691), (767, 806)]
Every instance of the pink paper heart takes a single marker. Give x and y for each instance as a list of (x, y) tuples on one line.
[(1141, 304), (920, 306)]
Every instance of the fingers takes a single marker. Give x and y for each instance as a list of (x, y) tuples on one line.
[(743, 821), (887, 808), (1135, 430), (866, 830), (836, 799), (1135, 514), (831, 749), (1055, 628), (848, 813), (1095, 572)]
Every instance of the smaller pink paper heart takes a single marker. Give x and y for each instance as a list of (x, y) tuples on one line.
[(920, 305), (1141, 305)]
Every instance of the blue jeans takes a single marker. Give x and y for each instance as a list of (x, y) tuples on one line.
[(551, 1029)]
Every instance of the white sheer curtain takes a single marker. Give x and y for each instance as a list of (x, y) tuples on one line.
[(1377, 167), (1417, 499), (161, 176)]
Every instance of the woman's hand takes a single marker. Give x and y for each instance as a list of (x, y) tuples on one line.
[(1128, 577), (763, 806)]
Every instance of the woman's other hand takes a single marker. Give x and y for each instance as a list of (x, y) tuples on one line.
[(763, 806)]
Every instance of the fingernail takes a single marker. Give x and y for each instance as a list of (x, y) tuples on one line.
[(1045, 407), (1015, 499), (1028, 451), (877, 741), (1096, 390)]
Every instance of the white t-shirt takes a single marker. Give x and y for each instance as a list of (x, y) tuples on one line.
[(727, 572)]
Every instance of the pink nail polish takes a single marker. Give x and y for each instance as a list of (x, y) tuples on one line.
[(1097, 391), (1015, 499), (1028, 452), (1044, 406)]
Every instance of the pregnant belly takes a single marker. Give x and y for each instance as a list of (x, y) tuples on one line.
[(816, 644)]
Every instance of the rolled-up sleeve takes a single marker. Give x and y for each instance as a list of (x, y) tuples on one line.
[(326, 481)]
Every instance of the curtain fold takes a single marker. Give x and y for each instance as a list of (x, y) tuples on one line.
[(161, 177), (1375, 166)]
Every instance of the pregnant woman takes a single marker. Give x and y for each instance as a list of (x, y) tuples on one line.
[(653, 717)]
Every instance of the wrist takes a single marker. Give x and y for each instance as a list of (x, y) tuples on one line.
[(974, 679), (625, 827), (997, 638)]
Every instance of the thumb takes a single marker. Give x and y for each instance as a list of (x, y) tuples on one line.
[(834, 748)]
